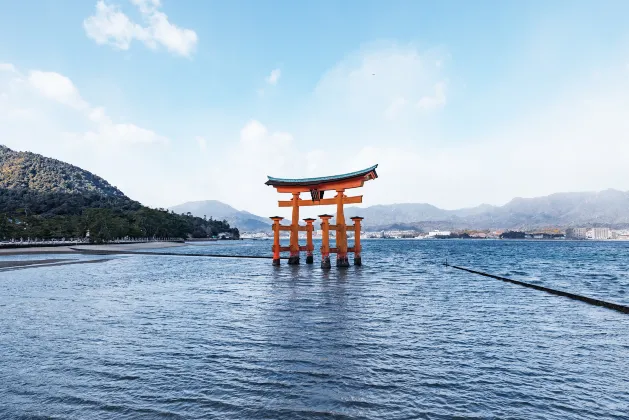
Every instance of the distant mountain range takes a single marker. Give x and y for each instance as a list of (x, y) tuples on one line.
[(605, 208), (243, 220)]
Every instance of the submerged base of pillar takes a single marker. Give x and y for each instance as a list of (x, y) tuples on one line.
[(276, 261), (325, 262), (358, 261), (342, 262), (293, 260), (309, 259)]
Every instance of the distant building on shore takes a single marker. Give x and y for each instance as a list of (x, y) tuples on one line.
[(601, 233), (598, 233), (579, 233), (576, 233)]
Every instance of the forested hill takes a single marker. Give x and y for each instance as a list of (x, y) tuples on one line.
[(37, 173), (45, 198)]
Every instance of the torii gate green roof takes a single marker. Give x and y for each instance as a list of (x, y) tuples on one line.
[(314, 181)]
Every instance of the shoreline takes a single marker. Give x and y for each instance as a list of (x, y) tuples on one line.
[(71, 249), (53, 262)]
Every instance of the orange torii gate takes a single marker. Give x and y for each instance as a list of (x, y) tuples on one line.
[(317, 187)]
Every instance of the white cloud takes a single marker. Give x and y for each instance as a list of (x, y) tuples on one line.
[(10, 68), (372, 95), (436, 101), (271, 79), (397, 105), (109, 25), (201, 142), (46, 94), (274, 77), (238, 176), (122, 133), (57, 87)]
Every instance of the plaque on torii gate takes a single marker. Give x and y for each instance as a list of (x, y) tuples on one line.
[(316, 187)]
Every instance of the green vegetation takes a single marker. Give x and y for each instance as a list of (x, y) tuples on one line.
[(105, 224), (29, 171), (45, 198), (513, 235)]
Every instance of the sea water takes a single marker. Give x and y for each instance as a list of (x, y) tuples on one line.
[(401, 337)]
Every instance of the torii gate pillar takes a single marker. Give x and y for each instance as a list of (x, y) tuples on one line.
[(276, 239), (309, 244), (357, 258), (341, 231), (325, 240), (294, 232)]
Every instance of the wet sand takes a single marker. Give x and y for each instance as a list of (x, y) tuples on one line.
[(20, 265), (37, 250), (11, 264), (129, 247), (76, 249)]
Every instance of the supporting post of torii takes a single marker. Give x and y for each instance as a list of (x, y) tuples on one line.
[(294, 232), (357, 257), (276, 239), (341, 232), (325, 240), (309, 244)]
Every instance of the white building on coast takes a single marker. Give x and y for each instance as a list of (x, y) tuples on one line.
[(434, 233)]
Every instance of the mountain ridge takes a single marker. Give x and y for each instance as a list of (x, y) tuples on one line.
[(37, 173), (42, 197), (243, 220), (609, 207)]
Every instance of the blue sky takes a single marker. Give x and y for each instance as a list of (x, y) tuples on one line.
[(459, 102)]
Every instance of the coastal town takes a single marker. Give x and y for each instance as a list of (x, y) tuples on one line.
[(579, 233)]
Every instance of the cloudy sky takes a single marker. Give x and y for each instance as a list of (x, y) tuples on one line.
[(459, 102)]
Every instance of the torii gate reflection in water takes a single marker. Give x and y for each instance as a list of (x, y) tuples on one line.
[(317, 188)]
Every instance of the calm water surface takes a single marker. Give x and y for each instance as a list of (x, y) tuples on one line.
[(401, 337)]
